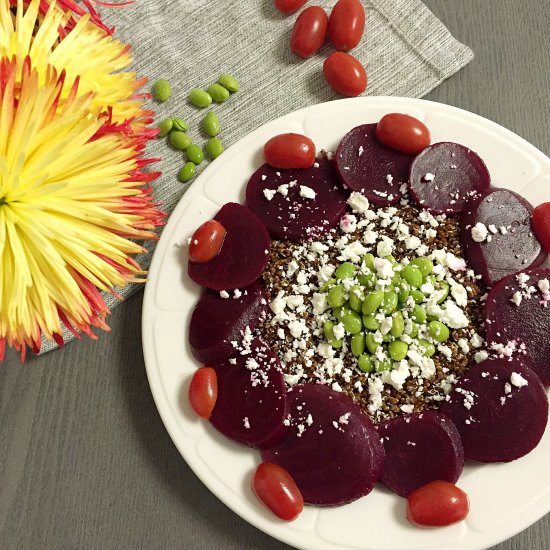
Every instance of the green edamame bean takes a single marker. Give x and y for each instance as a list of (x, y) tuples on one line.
[(418, 314), (417, 295), (328, 328), (165, 127), (389, 302), (326, 286), (336, 296), (403, 292), (364, 362), (180, 124), (352, 321), (211, 124), (397, 324), (443, 290), (358, 344), (338, 312), (200, 98), (391, 259), (426, 266), (162, 90), (356, 297), (382, 365), (218, 93), (195, 154), (187, 172), (414, 330), (368, 280), (229, 82), (412, 275), (370, 322), (368, 260), (398, 350), (179, 140), (372, 345), (345, 271), (427, 348), (373, 300), (438, 331), (214, 148)]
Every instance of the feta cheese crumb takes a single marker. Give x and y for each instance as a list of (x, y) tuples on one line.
[(224, 294), (358, 202), (307, 192), (269, 193), (479, 232), (517, 380)]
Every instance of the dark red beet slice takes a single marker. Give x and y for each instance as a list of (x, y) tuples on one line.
[(217, 321), (364, 164), (244, 253), (525, 325), (291, 216), (252, 400), (511, 244), (500, 409), (332, 451), (420, 447), (445, 175)]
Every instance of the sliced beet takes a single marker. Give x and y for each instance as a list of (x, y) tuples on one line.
[(500, 409), (243, 255), (512, 318), (332, 449), (510, 244), (420, 447), (287, 214), (217, 321), (445, 175), (364, 164), (252, 401)]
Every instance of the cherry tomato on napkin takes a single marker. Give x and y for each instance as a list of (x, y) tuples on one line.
[(346, 24), (289, 6), (344, 74), (309, 31)]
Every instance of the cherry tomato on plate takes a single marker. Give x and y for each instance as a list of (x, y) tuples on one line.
[(403, 133), (309, 31), (345, 74), (274, 486), (346, 24), (288, 6), (436, 504), (206, 241), (540, 222), (290, 151), (203, 391)]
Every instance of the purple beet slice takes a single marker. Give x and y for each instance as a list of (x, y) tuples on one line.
[(445, 175), (252, 400), (332, 449), (277, 198), (510, 244), (243, 255), (366, 165), (517, 316), (420, 447), (500, 409), (218, 321)]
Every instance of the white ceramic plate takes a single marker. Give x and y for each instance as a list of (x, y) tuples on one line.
[(505, 498)]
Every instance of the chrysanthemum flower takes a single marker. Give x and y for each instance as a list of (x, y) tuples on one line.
[(72, 207)]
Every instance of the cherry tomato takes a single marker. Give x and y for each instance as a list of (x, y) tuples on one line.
[(206, 241), (290, 151), (540, 222), (309, 31), (288, 6), (275, 487), (345, 74), (436, 504), (346, 24), (203, 391), (403, 133)]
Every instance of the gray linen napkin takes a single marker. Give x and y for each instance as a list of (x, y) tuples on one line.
[(406, 50)]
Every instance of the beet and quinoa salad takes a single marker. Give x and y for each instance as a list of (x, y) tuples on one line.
[(379, 310)]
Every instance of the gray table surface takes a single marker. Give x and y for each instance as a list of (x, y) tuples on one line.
[(85, 461)]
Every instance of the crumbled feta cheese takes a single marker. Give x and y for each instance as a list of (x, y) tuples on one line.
[(384, 268), (283, 189), (307, 192), (429, 177), (476, 340), (517, 380), (479, 232), (319, 303), (269, 193), (480, 356), (339, 331), (412, 242), (348, 223), (224, 294), (517, 297), (384, 247), (358, 202)]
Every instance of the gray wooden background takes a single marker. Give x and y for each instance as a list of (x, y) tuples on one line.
[(85, 461)]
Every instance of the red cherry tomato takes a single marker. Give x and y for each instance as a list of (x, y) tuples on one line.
[(436, 504), (540, 221), (288, 6), (290, 151), (346, 24), (345, 74), (403, 133), (309, 31), (203, 391), (206, 241), (275, 487)]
